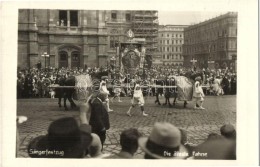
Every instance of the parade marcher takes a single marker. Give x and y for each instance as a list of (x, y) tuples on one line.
[(117, 91), (167, 93), (198, 93), (138, 99), (103, 88)]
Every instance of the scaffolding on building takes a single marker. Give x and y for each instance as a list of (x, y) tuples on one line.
[(145, 25)]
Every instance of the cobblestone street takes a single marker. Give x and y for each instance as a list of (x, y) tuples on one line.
[(198, 123)]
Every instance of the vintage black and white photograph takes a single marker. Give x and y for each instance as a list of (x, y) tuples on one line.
[(126, 84), (100, 83)]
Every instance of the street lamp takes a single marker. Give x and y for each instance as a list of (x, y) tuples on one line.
[(45, 55)]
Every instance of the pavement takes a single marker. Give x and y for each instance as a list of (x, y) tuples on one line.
[(199, 124)]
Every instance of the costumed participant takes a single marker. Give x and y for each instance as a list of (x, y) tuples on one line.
[(138, 99), (117, 91), (103, 88), (184, 89), (198, 94)]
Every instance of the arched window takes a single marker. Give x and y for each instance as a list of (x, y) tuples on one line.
[(75, 56), (63, 56)]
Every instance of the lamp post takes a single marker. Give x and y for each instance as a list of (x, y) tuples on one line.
[(113, 61), (45, 55), (113, 64)]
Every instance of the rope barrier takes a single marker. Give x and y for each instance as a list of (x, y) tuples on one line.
[(123, 86)]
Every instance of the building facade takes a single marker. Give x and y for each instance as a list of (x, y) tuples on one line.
[(71, 38), (170, 41), (212, 43)]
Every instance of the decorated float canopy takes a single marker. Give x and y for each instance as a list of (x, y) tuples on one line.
[(132, 54)]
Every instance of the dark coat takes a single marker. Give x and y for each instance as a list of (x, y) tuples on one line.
[(233, 86), (226, 85), (99, 119)]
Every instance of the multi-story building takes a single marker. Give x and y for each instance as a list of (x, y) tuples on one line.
[(170, 41), (74, 38), (212, 43), (71, 38)]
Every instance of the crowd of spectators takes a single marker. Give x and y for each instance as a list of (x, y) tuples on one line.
[(34, 82)]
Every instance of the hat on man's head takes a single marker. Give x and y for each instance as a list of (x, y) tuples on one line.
[(104, 77), (64, 135), (228, 131), (198, 78), (164, 142), (102, 95)]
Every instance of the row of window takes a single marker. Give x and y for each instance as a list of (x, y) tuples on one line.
[(174, 64), (216, 24), (171, 41), (68, 17), (71, 17), (232, 44), (170, 49), (127, 16), (174, 57), (209, 35), (172, 35), (64, 56)]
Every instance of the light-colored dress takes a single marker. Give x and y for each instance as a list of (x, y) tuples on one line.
[(138, 98), (198, 93), (216, 87)]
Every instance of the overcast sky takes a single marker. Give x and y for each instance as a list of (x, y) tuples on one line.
[(185, 18)]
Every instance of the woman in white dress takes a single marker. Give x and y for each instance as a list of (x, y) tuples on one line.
[(198, 94), (103, 88), (216, 86), (138, 99)]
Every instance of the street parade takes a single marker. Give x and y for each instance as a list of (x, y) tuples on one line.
[(83, 98)]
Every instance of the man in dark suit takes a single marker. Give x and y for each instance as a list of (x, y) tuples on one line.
[(233, 85), (226, 85), (99, 119)]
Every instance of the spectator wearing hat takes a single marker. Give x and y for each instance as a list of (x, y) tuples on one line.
[(164, 142), (226, 84), (129, 143), (233, 85), (228, 131), (65, 139), (99, 118), (198, 94)]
